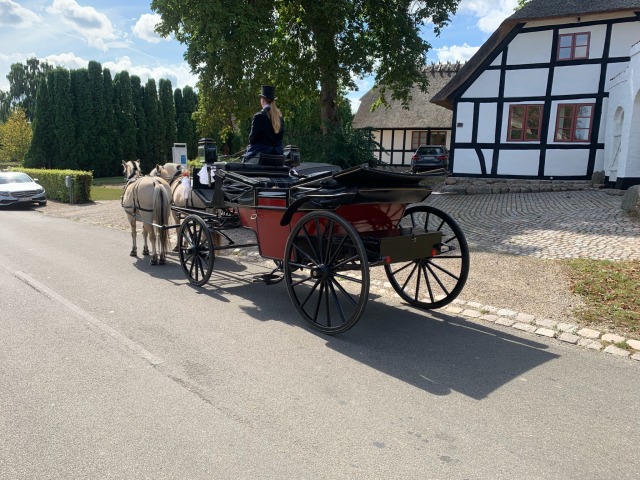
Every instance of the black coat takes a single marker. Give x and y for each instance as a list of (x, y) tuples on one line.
[(262, 138)]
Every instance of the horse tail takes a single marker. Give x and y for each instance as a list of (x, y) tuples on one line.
[(161, 211)]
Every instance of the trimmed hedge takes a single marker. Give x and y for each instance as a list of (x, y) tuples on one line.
[(53, 182)]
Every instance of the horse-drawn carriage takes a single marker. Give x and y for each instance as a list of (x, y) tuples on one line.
[(325, 229)]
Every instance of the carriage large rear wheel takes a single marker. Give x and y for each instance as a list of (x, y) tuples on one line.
[(195, 245), (432, 281), (327, 272)]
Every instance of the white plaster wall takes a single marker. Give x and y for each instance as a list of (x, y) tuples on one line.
[(520, 51), (614, 69), (598, 35), (519, 162), (497, 62), (561, 163), (487, 85), (604, 125), (598, 166), (464, 115), (487, 126), (526, 83), (576, 79), (488, 159), (623, 35), (466, 161)]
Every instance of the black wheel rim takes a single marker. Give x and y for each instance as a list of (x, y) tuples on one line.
[(432, 282), (196, 250), (327, 272)]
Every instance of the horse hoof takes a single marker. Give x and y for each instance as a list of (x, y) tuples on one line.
[(162, 261), (154, 261), (145, 252), (133, 253)]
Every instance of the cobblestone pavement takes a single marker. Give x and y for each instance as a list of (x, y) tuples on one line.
[(551, 225)]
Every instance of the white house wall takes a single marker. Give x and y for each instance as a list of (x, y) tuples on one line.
[(485, 86), (576, 79), (529, 82), (486, 129), (519, 72), (561, 163), (520, 51)]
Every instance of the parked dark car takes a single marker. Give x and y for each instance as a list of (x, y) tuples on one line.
[(20, 188), (429, 157)]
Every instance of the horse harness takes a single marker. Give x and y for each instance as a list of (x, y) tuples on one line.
[(132, 180)]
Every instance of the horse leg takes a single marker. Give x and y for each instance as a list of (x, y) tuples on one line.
[(134, 247), (152, 240), (145, 234)]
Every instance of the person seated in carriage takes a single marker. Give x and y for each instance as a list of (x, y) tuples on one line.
[(267, 127)]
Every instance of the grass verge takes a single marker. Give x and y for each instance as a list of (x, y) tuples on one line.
[(610, 291), (107, 188)]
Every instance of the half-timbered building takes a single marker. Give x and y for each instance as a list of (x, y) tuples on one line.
[(399, 131), (535, 101)]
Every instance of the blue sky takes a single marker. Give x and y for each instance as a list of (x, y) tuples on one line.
[(120, 35)]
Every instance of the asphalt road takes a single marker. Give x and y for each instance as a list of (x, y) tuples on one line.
[(112, 368)]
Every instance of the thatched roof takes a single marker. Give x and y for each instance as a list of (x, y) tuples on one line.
[(421, 114), (535, 10)]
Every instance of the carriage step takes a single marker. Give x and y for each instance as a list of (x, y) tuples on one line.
[(269, 278)]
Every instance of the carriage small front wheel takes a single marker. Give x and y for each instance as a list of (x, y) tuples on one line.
[(195, 245), (434, 280), (327, 272)]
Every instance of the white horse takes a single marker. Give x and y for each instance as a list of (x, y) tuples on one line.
[(147, 199)]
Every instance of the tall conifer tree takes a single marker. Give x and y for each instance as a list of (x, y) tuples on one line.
[(168, 113)]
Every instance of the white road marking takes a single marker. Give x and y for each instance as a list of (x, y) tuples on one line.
[(116, 335)]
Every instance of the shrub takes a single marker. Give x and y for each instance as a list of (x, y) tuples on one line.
[(53, 182)]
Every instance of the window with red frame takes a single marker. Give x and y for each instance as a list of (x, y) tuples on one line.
[(524, 123), (419, 138), (574, 122), (573, 46)]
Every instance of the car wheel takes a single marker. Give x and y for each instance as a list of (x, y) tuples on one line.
[(42, 204)]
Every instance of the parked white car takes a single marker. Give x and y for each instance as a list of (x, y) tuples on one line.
[(20, 188)]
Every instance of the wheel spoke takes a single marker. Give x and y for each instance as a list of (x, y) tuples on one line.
[(344, 292), (310, 243), (413, 270), (336, 300), (429, 289), (444, 270), (437, 279)]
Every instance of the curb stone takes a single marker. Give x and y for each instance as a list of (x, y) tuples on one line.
[(564, 332)]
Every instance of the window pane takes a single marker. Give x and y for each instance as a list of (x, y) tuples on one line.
[(564, 123), (533, 134), (582, 40), (564, 54), (583, 123), (582, 135), (565, 111), (515, 134), (581, 52), (563, 135), (584, 111), (566, 41)]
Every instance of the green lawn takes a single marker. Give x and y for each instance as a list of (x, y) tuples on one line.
[(109, 188), (610, 292)]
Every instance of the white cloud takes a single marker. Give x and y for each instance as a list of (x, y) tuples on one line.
[(455, 53), (67, 60), (180, 75), (95, 27), (491, 13), (145, 28), (17, 16)]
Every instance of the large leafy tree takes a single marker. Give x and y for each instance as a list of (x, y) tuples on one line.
[(24, 79), (15, 137), (300, 46)]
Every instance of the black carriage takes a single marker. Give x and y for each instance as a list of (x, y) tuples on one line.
[(325, 228)]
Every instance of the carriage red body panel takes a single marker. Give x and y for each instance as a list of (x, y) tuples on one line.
[(272, 237)]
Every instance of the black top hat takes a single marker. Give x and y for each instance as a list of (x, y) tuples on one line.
[(268, 92)]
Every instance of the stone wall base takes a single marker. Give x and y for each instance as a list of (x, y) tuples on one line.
[(470, 186)]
